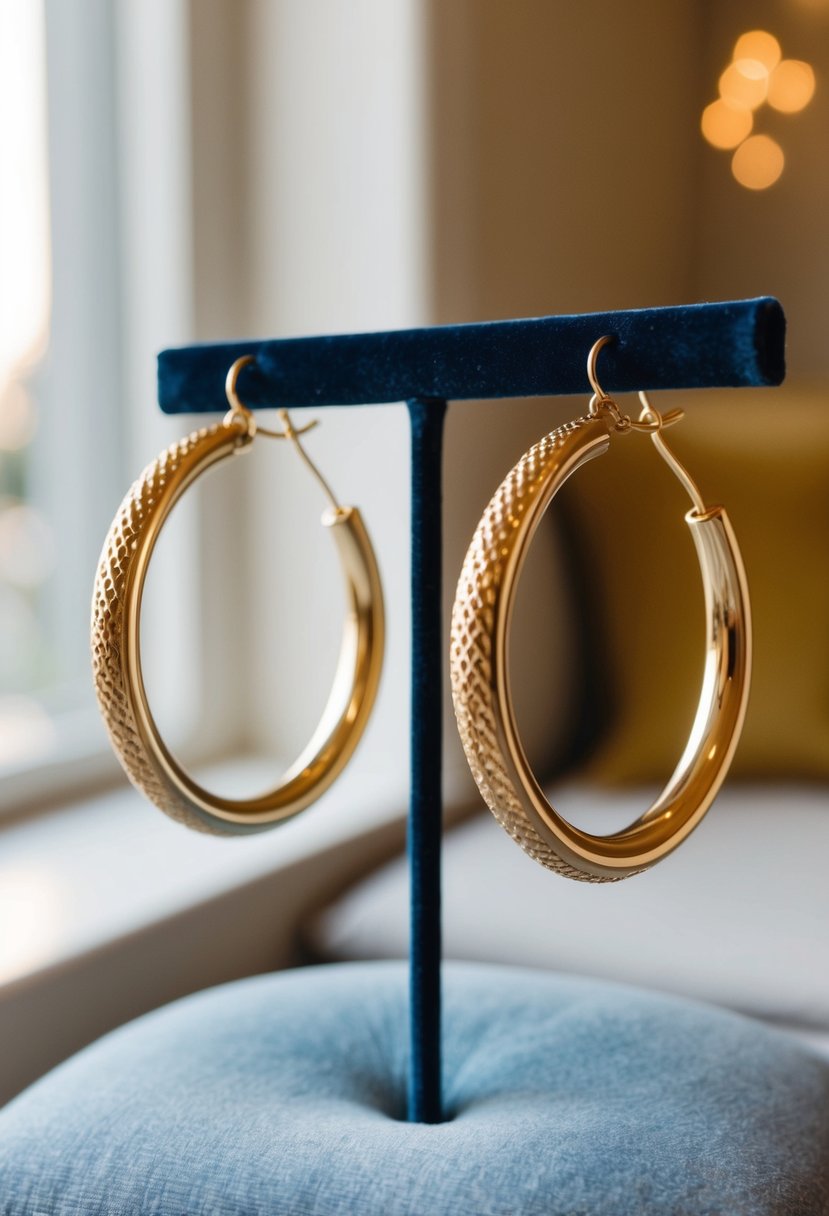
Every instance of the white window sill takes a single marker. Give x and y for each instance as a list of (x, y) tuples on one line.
[(107, 908)]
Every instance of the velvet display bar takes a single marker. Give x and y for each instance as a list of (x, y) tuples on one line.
[(738, 343), (733, 344)]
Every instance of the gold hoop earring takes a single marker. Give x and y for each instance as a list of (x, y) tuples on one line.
[(480, 668), (116, 617)]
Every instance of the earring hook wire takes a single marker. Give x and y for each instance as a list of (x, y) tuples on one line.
[(592, 374), (658, 422), (650, 421), (293, 434), (238, 410)]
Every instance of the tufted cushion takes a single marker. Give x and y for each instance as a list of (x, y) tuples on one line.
[(284, 1094)]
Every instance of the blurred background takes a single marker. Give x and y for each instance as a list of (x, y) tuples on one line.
[(177, 172)]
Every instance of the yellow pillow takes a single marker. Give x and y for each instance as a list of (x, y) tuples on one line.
[(763, 454)]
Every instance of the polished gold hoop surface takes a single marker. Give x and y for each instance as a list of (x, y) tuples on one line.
[(116, 658), (480, 667)]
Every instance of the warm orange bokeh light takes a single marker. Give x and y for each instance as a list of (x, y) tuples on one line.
[(792, 86), (745, 91), (752, 69), (724, 125), (756, 75), (760, 46), (758, 162)]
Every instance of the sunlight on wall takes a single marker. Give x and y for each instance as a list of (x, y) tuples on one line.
[(26, 730), (30, 910), (24, 223), (26, 539)]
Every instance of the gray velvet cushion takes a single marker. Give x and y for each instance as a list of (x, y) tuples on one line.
[(284, 1094), (738, 916)]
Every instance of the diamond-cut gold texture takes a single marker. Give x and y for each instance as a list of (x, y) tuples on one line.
[(123, 540), (480, 584)]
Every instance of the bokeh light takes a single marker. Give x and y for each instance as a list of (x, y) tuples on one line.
[(18, 418), (27, 550), (792, 86), (724, 125), (26, 730), (760, 47), (25, 252), (758, 162), (21, 648), (27, 546), (742, 90), (756, 75)]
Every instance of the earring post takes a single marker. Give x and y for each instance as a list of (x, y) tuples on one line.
[(293, 435)]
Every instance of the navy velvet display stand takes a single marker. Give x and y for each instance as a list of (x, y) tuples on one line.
[(734, 344)]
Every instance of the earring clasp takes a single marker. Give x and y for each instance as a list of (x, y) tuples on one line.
[(239, 411), (650, 421)]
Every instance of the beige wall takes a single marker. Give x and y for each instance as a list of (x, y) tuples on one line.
[(558, 185), (308, 175), (561, 178), (379, 164)]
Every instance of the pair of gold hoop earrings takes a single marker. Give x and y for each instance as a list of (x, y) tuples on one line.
[(479, 647)]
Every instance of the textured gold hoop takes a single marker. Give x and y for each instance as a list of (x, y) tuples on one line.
[(116, 659), (481, 678)]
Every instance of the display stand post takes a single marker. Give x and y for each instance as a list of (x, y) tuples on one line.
[(425, 799), (732, 344)]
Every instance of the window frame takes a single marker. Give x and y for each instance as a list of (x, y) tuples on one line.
[(119, 141)]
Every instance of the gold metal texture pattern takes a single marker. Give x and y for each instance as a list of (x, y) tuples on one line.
[(116, 659), (481, 678)]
